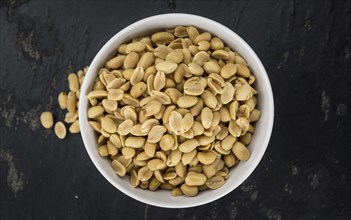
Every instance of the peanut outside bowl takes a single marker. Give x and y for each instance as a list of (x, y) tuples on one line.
[(263, 127)]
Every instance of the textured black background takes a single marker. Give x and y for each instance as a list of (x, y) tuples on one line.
[(304, 45)]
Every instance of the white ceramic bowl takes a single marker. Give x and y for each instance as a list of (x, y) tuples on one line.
[(263, 127)]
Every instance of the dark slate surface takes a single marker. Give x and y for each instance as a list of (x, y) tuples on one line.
[(304, 45)]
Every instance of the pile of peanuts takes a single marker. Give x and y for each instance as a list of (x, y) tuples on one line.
[(174, 110), (70, 102)]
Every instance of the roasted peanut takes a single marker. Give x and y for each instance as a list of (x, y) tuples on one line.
[(47, 120), (60, 130)]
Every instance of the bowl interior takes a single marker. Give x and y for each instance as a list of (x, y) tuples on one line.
[(263, 127)]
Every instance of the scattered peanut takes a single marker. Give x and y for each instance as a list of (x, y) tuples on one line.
[(46, 119), (70, 102), (60, 130)]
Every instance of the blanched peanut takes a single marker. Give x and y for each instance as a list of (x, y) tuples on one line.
[(144, 174), (211, 169), (209, 99), (206, 36), (188, 146), (174, 158), (255, 115), (125, 127), (131, 60), (162, 38), (220, 54), (128, 152), (196, 109), (242, 70), (228, 93), (156, 133), (148, 124), (200, 58), (246, 139), (156, 164), (216, 44), (192, 33), (119, 168), (135, 142), (240, 151), (195, 179), (108, 125), (228, 142), (46, 119), (60, 130), (187, 101), (115, 62), (151, 108), (206, 157), (137, 76), (177, 192), (189, 190), (134, 181), (138, 89), (109, 105), (167, 142), (154, 184), (74, 128), (215, 182), (228, 70), (95, 111), (187, 122), (166, 66), (135, 47), (159, 81), (175, 56), (146, 60), (71, 102), (73, 82), (62, 100), (206, 117), (175, 124), (229, 160), (195, 86)]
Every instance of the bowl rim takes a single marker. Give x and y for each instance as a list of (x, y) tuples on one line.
[(267, 86)]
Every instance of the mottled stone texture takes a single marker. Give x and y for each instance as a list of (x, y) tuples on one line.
[(304, 45)]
